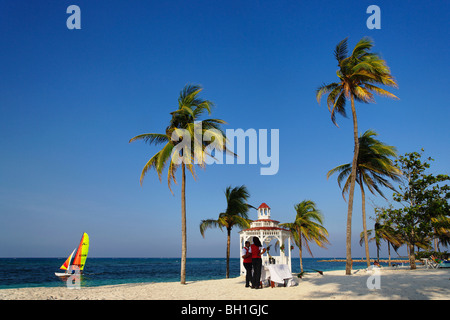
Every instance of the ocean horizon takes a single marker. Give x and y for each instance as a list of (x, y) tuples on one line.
[(40, 272)]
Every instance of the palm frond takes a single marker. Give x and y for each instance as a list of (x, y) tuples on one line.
[(209, 223), (340, 53), (150, 164), (361, 94), (323, 89), (380, 91), (362, 48), (341, 168), (171, 173), (339, 107), (164, 155), (151, 138)]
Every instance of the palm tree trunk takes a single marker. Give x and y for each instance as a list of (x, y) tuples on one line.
[(349, 262), (389, 252), (228, 252), (435, 242), (378, 253), (412, 257), (411, 254), (300, 249), (366, 238), (183, 225)]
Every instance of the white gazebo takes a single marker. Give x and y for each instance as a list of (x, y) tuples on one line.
[(267, 230)]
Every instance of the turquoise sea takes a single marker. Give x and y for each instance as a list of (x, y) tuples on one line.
[(39, 272)]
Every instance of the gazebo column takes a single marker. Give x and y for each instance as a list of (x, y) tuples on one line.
[(241, 261), (282, 255), (290, 258)]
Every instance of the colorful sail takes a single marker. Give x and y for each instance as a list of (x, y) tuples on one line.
[(82, 252), (66, 264)]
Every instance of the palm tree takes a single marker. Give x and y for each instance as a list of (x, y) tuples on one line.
[(183, 120), (234, 215), (390, 235), (400, 232), (373, 167), (382, 232), (307, 227), (441, 231), (368, 234), (358, 73)]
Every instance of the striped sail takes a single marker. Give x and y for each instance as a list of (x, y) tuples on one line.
[(82, 252), (66, 263)]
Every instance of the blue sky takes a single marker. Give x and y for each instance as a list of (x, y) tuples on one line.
[(71, 99)]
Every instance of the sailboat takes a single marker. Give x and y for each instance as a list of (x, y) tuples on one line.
[(79, 259)]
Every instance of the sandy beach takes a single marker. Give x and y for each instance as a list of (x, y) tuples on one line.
[(394, 284)]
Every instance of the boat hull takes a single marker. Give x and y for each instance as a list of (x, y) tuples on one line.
[(62, 274)]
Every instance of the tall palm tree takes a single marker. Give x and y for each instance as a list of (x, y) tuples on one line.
[(234, 215), (307, 227), (358, 74), (373, 167), (190, 108)]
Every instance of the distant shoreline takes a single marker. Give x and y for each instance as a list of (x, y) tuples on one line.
[(371, 260)]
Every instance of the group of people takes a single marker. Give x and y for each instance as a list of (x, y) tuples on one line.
[(253, 263)]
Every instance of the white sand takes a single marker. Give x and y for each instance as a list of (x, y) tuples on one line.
[(420, 284)]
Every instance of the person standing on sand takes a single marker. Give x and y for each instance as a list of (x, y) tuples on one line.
[(246, 253), (257, 251)]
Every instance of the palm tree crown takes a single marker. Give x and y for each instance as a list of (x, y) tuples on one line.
[(190, 108), (359, 74), (307, 227), (374, 165)]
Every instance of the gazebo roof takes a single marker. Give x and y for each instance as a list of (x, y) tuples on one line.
[(264, 223), (266, 220), (263, 205), (265, 228)]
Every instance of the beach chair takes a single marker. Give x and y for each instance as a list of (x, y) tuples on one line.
[(434, 262), (430, 263), (440, 263), (426, 262)]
